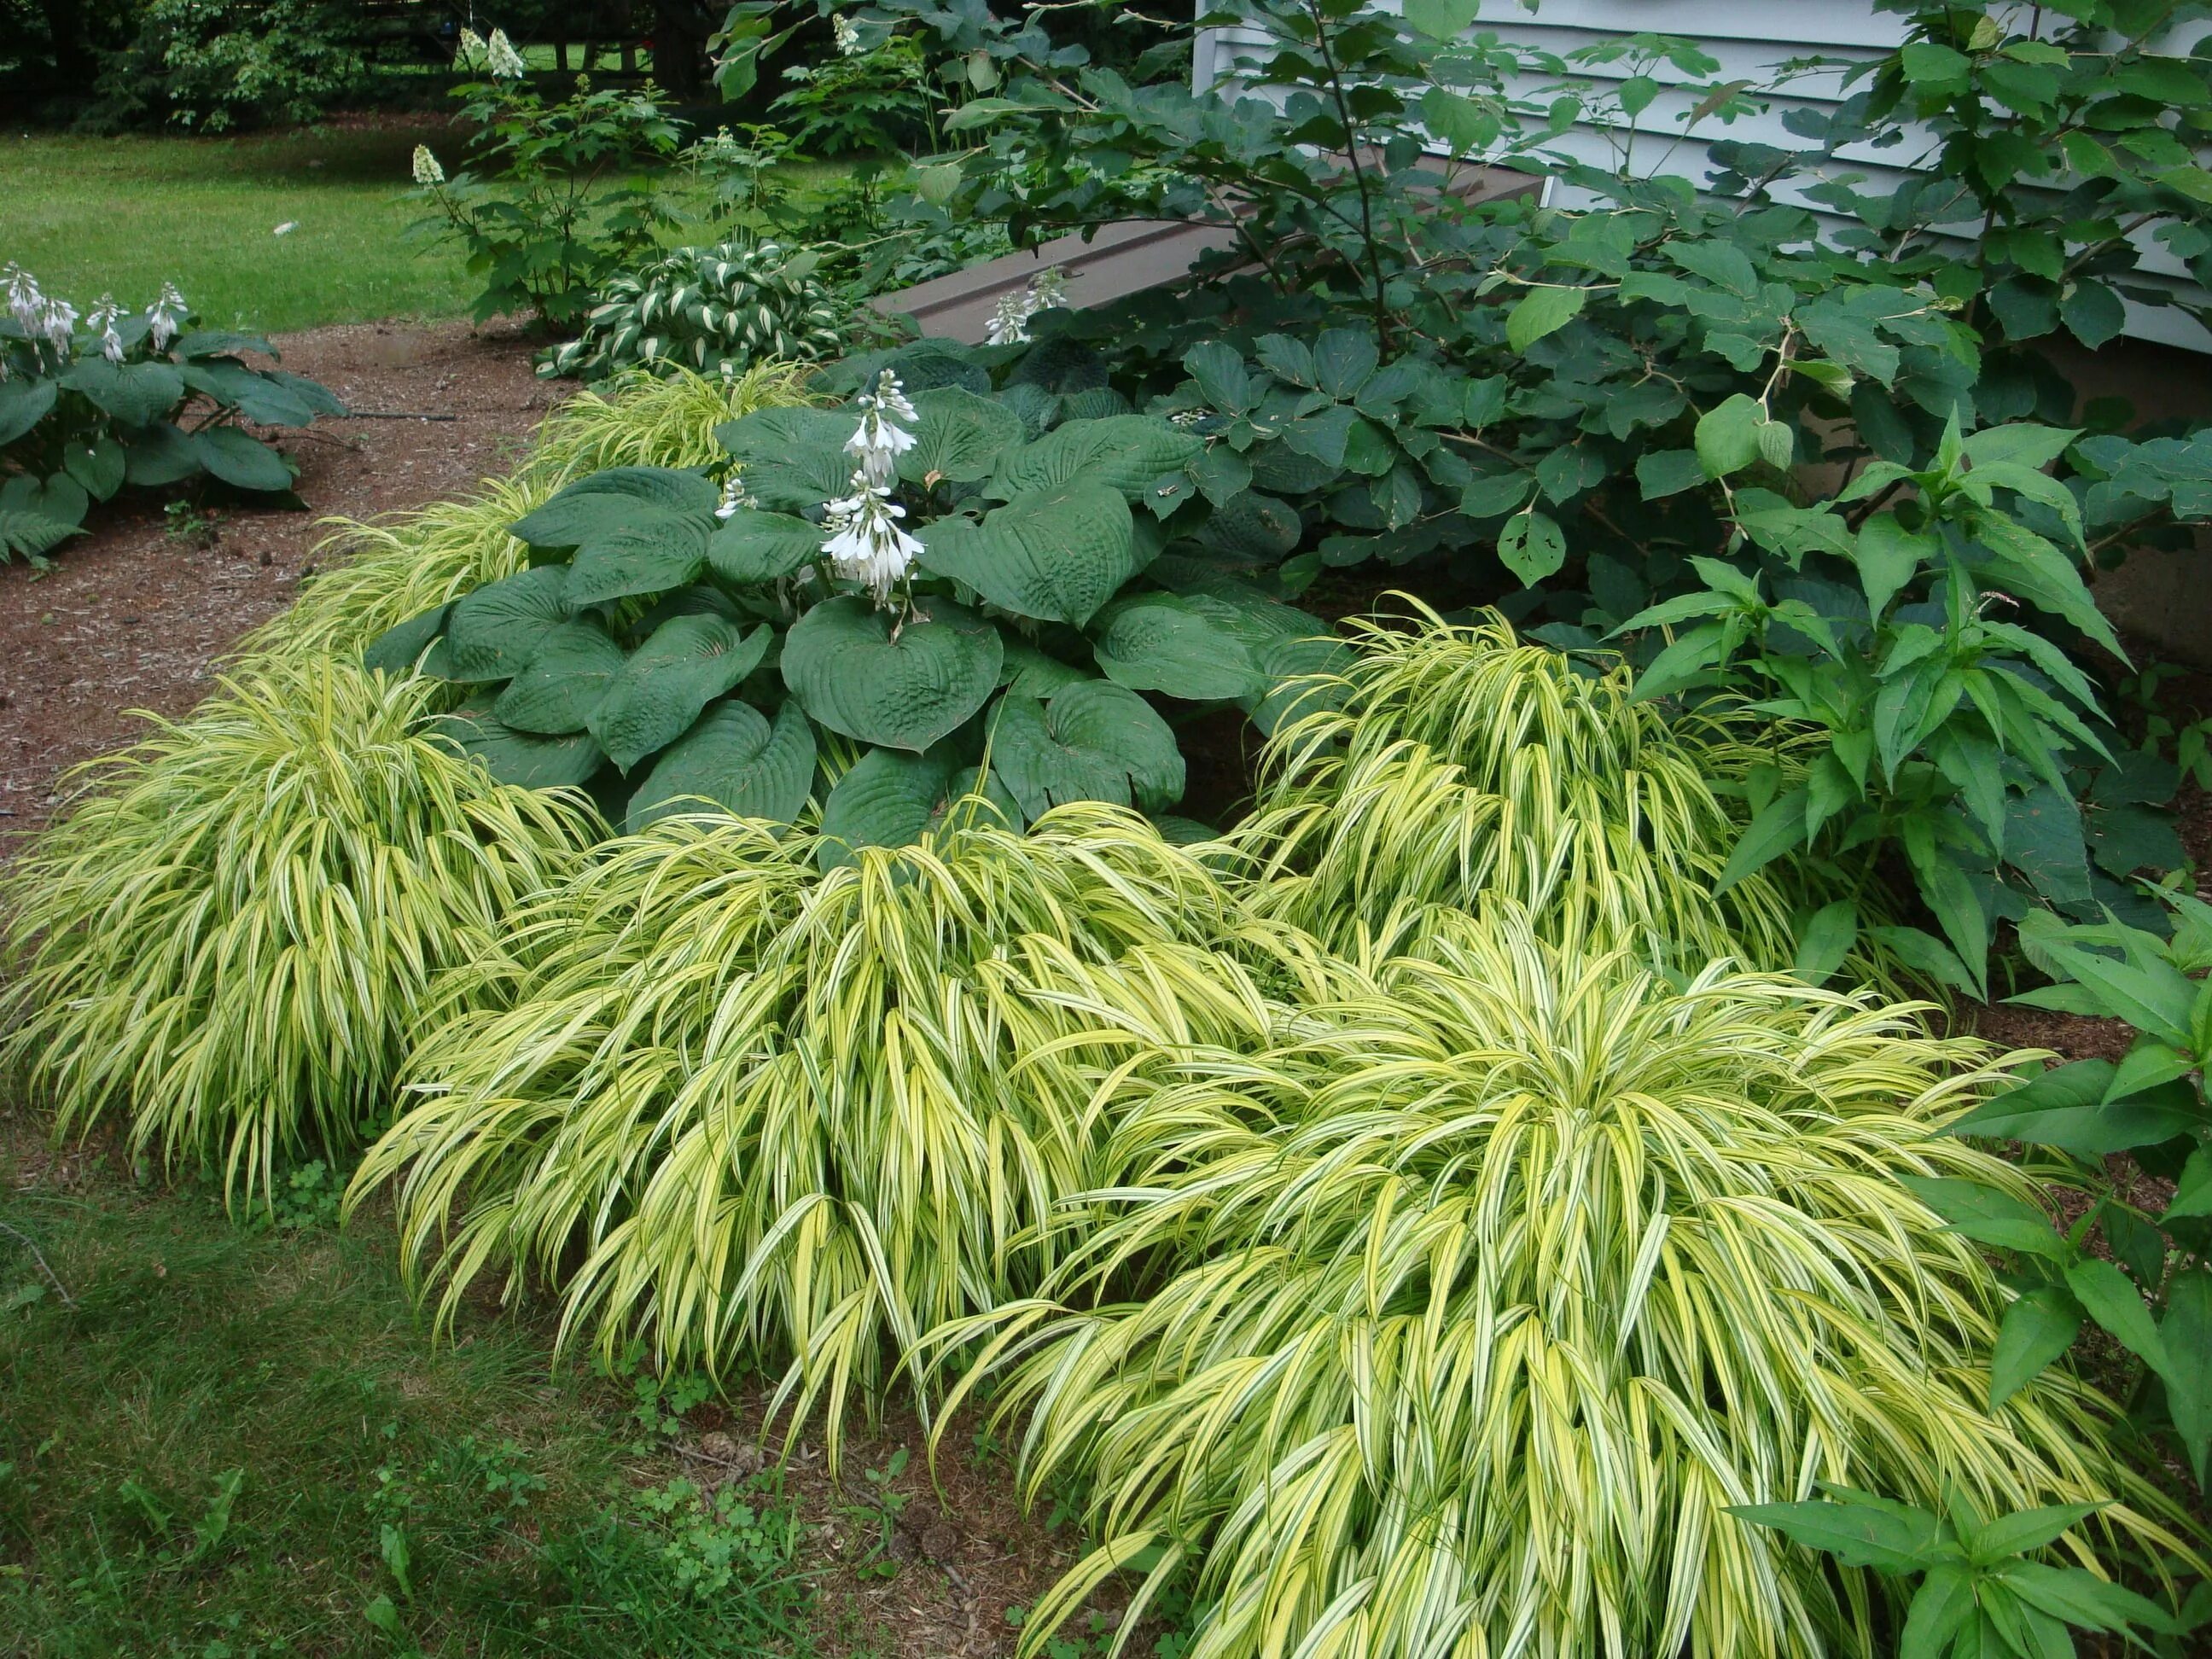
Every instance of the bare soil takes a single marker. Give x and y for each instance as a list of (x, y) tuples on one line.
[(135, 614)]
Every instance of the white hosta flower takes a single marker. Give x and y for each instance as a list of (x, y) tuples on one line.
[(165, 316), (847, 37), (426, 170), (735, 498), (25, 303), (866, 545), (102, 320), (1009, 323), (1048, 290), (880, 439), (57, 320), (503, 59)]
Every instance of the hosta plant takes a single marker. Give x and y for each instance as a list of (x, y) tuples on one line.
[(930, 579), (1442, 763), (1462, 1318), (715, 310), (383, 571), (791, 1116), (90, 405), (227, 939)]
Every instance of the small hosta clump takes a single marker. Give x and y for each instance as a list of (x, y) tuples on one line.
[(705, 309)]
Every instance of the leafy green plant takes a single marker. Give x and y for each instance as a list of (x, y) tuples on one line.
[(714, 310), (868, 97), (1466, 1311), (2150, 1287), (1439, 763), (212, 65), (378, 573), (229, 936), (796, 1117), (1981, 1591), (673, 643), (147, 399), (558, 199)]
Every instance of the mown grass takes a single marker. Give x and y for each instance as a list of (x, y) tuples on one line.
[(89, 215), (225, 1444)]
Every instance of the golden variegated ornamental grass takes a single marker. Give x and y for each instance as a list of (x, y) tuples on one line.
[(1472, 1305), (383, 571), (227, 937), (795, 1117), (1451, 762)]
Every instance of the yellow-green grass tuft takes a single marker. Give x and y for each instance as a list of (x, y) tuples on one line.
[(1477, 1299), (1449, 762), (793, 1117), (227, 937), (639, 418)]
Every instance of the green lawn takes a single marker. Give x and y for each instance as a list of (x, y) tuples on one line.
[(219, 1444), (86, 215)]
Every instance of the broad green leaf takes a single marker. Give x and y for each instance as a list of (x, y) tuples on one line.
[(733, 759), (1442, 19), (522, 758), (2081, 1598), (1223, 379), (1532, 546), (1462, 124), (1941, 1608), (1727, 435), (1826, 940), (97, 464), (135, 394), (1124, 453), (613, 499), (1093, 741), (1540, 312), (1663, 472), (2023, 1530), (2187, 1331), (2192, 1193), (565, 679), (2067, 1108), (260, 399), (689, 662), (1772, 833), (1186, 645), (494, 631), (1343, 360), (893, 800), (862, 673), (398, 648), (1888, 557), (2110, 1298), (244, 462), (1986, 1215), (1055, 554), (2093, 312), (23, 404), (1856, 1535), (2148, 1065), (792, 460), (753, 548), (2155, 997), (2038, 1329), (639, 560), (959, 436)]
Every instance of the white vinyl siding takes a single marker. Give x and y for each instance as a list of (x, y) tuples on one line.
[(1750, 39)]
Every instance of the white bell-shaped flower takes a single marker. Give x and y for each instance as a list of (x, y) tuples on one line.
[(866, 545)]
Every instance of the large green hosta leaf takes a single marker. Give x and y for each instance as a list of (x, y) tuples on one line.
[(792, 460), (1126, 453), (566, 677), (763, 547), (520, 757), (1187, 644), (857, 673), (1093, 741), (495, 630), (400, 646), (960, 436), (891, 799), (735, 759), (136, 394), (689, 662), (616, 498), (1057, 556), (241, 460), (650, 556)]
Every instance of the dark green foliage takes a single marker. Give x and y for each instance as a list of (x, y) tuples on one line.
[(213, 65)]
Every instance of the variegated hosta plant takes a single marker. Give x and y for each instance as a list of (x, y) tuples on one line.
[(875, 598), (1461, 1317), (1444, 761), (714, 309), (796, 1117)]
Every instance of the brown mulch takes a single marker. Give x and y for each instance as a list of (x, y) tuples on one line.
[(134, 614)]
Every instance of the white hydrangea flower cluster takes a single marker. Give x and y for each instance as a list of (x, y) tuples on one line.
[(165, 316), (470, 53), (1010, 324), (866, 545), (847, 36), (503, 59), (427, 173)]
